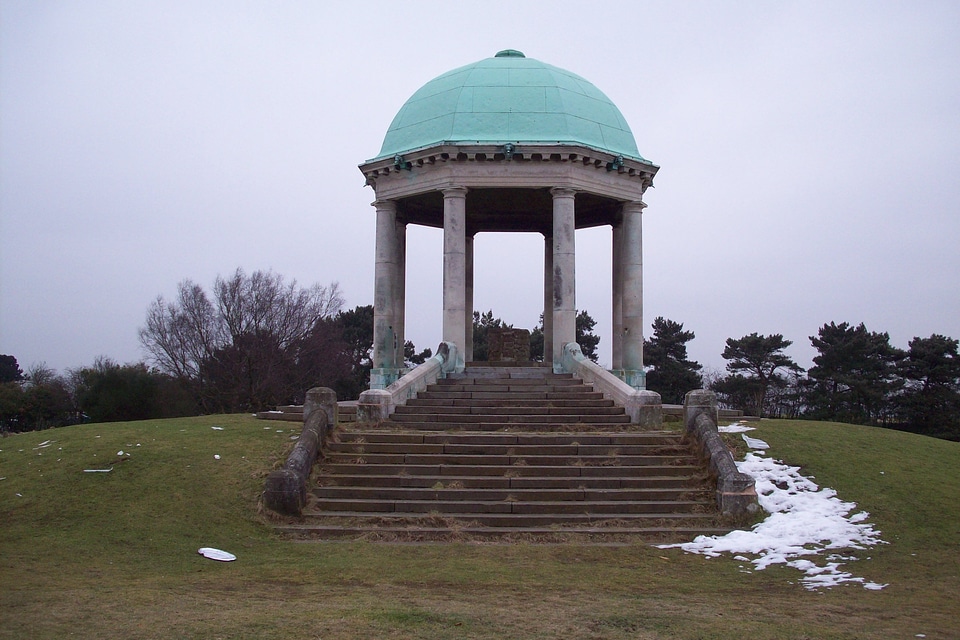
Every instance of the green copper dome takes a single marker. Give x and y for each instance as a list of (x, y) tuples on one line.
[(509, 99)]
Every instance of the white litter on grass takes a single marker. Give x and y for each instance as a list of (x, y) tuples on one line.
[(217, 428), (98, 470), (805, 521), (216, 456), (754, 443), (216, 554)]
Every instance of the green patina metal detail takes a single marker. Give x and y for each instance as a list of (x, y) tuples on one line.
[(509, 99)]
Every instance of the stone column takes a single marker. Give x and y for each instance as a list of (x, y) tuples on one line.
[(564, 273), (386, 292), (632, 275), (468, 307), (454, 267), (617, 268), (400, 305), (547, 298)]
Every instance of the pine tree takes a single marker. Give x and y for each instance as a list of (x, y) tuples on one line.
[(671, 374)]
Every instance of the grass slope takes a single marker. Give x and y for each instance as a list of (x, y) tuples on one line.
[(114, 555)]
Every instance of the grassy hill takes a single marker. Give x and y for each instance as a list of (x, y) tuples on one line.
[(114, 555)]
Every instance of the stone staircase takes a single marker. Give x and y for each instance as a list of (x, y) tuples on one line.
[(509, 453)]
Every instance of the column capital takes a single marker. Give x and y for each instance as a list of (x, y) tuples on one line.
[(633, 206), (454, 192), (384, 205), (563, 192)]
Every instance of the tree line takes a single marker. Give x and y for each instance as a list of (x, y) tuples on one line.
[(253, 342), (857, 377), (257, 341)]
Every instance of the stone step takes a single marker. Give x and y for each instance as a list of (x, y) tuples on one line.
[(508, 410), (575, 388), (507, 364), (514, 438), (501, 383), (555, 509), (508, 427), (572, 451), (501, 482), (508, 397), (524, 419), (517, 459), (509, 471), (418, 518), (585, 496), (611, 534), (576, 402)]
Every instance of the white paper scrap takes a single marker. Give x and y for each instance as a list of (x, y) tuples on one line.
[(216, 554)]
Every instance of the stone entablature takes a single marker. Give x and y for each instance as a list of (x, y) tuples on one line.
[(517, 153)]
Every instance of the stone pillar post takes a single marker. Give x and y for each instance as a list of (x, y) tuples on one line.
[(632, 277), (454, 268), (386, 293), (400, 305), (564, 272), (468, 307), (617, 268), (547, 298)]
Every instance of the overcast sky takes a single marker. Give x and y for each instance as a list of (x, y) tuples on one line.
[(809, 154)]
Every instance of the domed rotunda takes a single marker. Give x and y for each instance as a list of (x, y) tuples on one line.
[(509, 144)]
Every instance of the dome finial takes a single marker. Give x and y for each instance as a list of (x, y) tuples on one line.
[(510, 53)]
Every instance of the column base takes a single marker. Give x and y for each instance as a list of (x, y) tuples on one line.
[(383, 378), (636, 378)]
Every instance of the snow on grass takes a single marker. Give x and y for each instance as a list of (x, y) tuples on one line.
[(807, 529)]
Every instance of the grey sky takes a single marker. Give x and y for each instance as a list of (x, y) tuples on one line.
[(809, 154)]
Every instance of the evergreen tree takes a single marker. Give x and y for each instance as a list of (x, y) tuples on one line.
[(9, 370), (585, 337), (672, 375), (930, 402), (755, 362), (855, 376)]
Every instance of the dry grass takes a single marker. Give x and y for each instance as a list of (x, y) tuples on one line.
[(114, 556)]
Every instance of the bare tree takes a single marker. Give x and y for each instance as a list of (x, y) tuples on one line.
[(240, 348)]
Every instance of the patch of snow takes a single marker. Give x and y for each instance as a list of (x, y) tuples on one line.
[(804, 522), (736, 427)]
